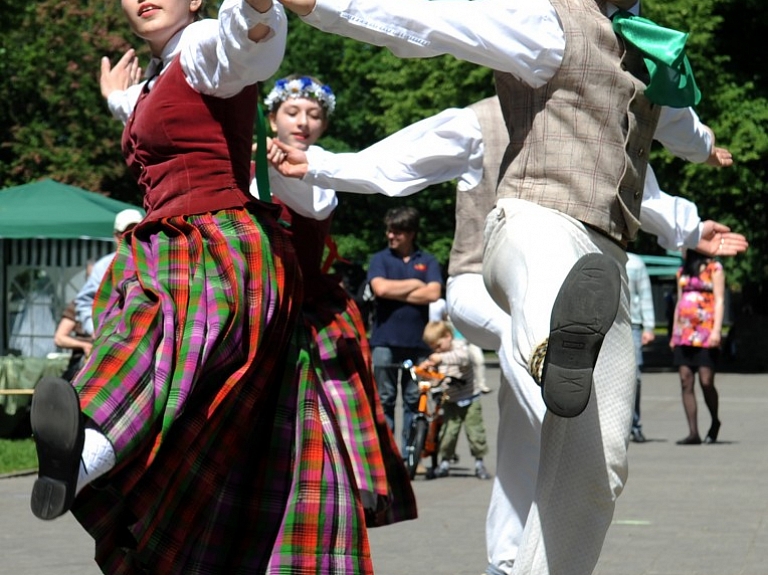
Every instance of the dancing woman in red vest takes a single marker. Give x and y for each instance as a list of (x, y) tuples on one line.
[(299, 110), (193, 440)]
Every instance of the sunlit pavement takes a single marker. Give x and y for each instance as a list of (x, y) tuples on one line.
[(686, 510)]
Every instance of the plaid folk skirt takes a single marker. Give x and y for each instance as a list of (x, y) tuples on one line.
[(350, 394), (204, 378)]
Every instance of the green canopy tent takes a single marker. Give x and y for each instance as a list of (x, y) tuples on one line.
[(48, 233), (663, 266), (49, 209), (663, 272)]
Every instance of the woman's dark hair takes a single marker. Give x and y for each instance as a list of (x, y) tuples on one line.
[(694, 262)]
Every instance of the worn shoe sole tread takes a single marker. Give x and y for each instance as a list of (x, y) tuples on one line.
[(57, 426), (583, 312)]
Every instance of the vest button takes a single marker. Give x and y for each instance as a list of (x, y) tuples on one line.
[(641, 152), (637, 194)]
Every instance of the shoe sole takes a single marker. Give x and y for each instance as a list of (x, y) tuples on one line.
[(583, 312), (57, 426)]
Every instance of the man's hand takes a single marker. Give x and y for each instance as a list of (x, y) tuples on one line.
[(719, 158), (122, 76), (718, 240), (647, 337), (300, 7), (287, 160)]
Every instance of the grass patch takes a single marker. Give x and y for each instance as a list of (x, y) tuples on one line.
[(17, 455)]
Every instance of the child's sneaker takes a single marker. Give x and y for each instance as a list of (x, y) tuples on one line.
[(480, 471)]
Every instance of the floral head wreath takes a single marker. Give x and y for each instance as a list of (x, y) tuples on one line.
[(301, 87)]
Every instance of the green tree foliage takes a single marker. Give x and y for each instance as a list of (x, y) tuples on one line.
[(723, 45), (54, 122)]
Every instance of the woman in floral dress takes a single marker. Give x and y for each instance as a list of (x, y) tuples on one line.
[(696, 336)]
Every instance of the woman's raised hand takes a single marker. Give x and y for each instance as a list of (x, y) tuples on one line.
[(122, 75)]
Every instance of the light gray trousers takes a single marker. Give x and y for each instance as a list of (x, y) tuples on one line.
[(571, 488)]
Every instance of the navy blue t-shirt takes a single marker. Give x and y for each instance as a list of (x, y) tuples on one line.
[(397, 323)]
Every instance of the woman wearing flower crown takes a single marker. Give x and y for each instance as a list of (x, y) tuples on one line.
[(299, 108), (198, 415)]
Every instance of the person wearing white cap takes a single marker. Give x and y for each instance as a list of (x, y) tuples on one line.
[(125, 221)]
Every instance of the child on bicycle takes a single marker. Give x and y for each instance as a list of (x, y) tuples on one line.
[(461, 404)]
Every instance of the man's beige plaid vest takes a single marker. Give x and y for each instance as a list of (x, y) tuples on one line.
[(580, 143), (473, 205)]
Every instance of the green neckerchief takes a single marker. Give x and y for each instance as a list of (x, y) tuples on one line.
[(663, 49)]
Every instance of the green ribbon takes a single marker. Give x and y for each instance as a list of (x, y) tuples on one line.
[(262, 175), (663, 49)]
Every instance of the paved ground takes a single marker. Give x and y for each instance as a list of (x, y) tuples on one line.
[(699, 510)]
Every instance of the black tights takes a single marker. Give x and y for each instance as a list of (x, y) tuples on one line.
[(707, 382)]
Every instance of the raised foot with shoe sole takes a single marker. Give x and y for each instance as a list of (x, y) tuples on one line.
[(57, 427), (584, 310)]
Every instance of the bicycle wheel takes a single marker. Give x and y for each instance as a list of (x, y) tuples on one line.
[(415, 446)]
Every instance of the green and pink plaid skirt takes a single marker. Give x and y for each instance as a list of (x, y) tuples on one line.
[(350, 394), (205, 377)]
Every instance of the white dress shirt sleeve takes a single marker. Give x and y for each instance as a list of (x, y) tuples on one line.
[(673, 219), (122, 102), (438, 149), (682, 133), (301, 196), (522, 37), (217, 56), (219, 59)]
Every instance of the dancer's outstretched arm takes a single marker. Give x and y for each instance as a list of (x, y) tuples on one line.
[(446, 146), (517, 36)]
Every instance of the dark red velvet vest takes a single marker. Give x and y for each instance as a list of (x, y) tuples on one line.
[(309, 237), (190, 152)]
